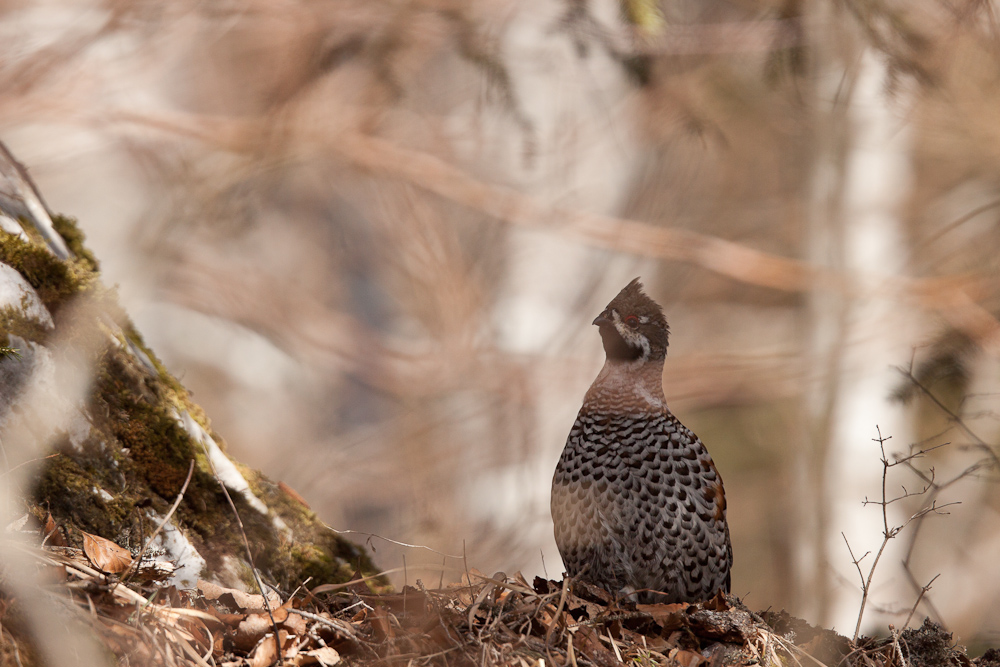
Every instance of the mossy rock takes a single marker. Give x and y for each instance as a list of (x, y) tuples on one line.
[(115, 479)]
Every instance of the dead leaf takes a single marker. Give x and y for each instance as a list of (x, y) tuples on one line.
[(591, 609), (232, 620), (664, 613), (51, 534), (717, 603), (472, 576), (465, 596), (381, 626), (266, 652), (105, 555), (295, 624), (519, 578), (237, 598), (280, 614), (250, 631), (546, 614), (325, 657), (686, 658), (590, 644)]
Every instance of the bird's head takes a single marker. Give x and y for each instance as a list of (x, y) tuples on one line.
[(633, 326)]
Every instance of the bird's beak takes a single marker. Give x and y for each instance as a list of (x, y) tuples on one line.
[(602, 319)]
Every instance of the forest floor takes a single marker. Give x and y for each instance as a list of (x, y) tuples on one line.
[(484, 620)]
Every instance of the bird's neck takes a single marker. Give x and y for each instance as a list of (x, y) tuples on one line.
[(623, 386)]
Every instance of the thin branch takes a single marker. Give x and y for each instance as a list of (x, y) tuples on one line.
[(555, 617), (340, 626), (29, 462), (933, 508), (855, 561), (885, 516), (327, 588), (923, 592), (959, 222), (937, 487), (895, 644), (246, 546), (890, 532), (867, 586), (134, 567), (980, 443), (391, 541)]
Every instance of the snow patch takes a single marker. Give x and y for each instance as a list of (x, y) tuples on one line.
[(15, 292), (12, 227), (178, 550), (226, 470)]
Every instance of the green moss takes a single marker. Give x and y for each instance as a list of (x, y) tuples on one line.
[(314, 561), (158, 446), (55, 281), (139, 418), (316, 551), (136, 412), (246, 577), (33, 234), (181, 398), (14, 321), (69, 490), (74, 238)]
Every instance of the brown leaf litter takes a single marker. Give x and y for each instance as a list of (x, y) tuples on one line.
[(497, 620), (106, 555)]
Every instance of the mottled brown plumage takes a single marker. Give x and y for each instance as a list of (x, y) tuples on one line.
[(637, 502)]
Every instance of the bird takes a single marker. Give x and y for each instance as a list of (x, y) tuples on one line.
[(638, 505)]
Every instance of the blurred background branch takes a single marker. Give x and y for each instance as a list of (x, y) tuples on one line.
[(371, 237)]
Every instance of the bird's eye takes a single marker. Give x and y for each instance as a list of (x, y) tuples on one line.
[(632, 321)]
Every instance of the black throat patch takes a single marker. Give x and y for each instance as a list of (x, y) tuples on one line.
[(615, 346)]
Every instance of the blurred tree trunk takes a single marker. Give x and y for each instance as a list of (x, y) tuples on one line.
[(860, 188), (828, 309)]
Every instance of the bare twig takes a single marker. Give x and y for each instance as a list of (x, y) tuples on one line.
[(246, 546), (895, 644), (981, 444), (391, 541), (327, 588), (134, 567), (890, 532), (559, 608), (856, 561), (791, 649), (935, 487), (951, 226), (300, 587), (923, 591), (340, 626), (24, 463)]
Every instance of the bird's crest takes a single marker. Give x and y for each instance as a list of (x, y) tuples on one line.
[(632, 300)]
